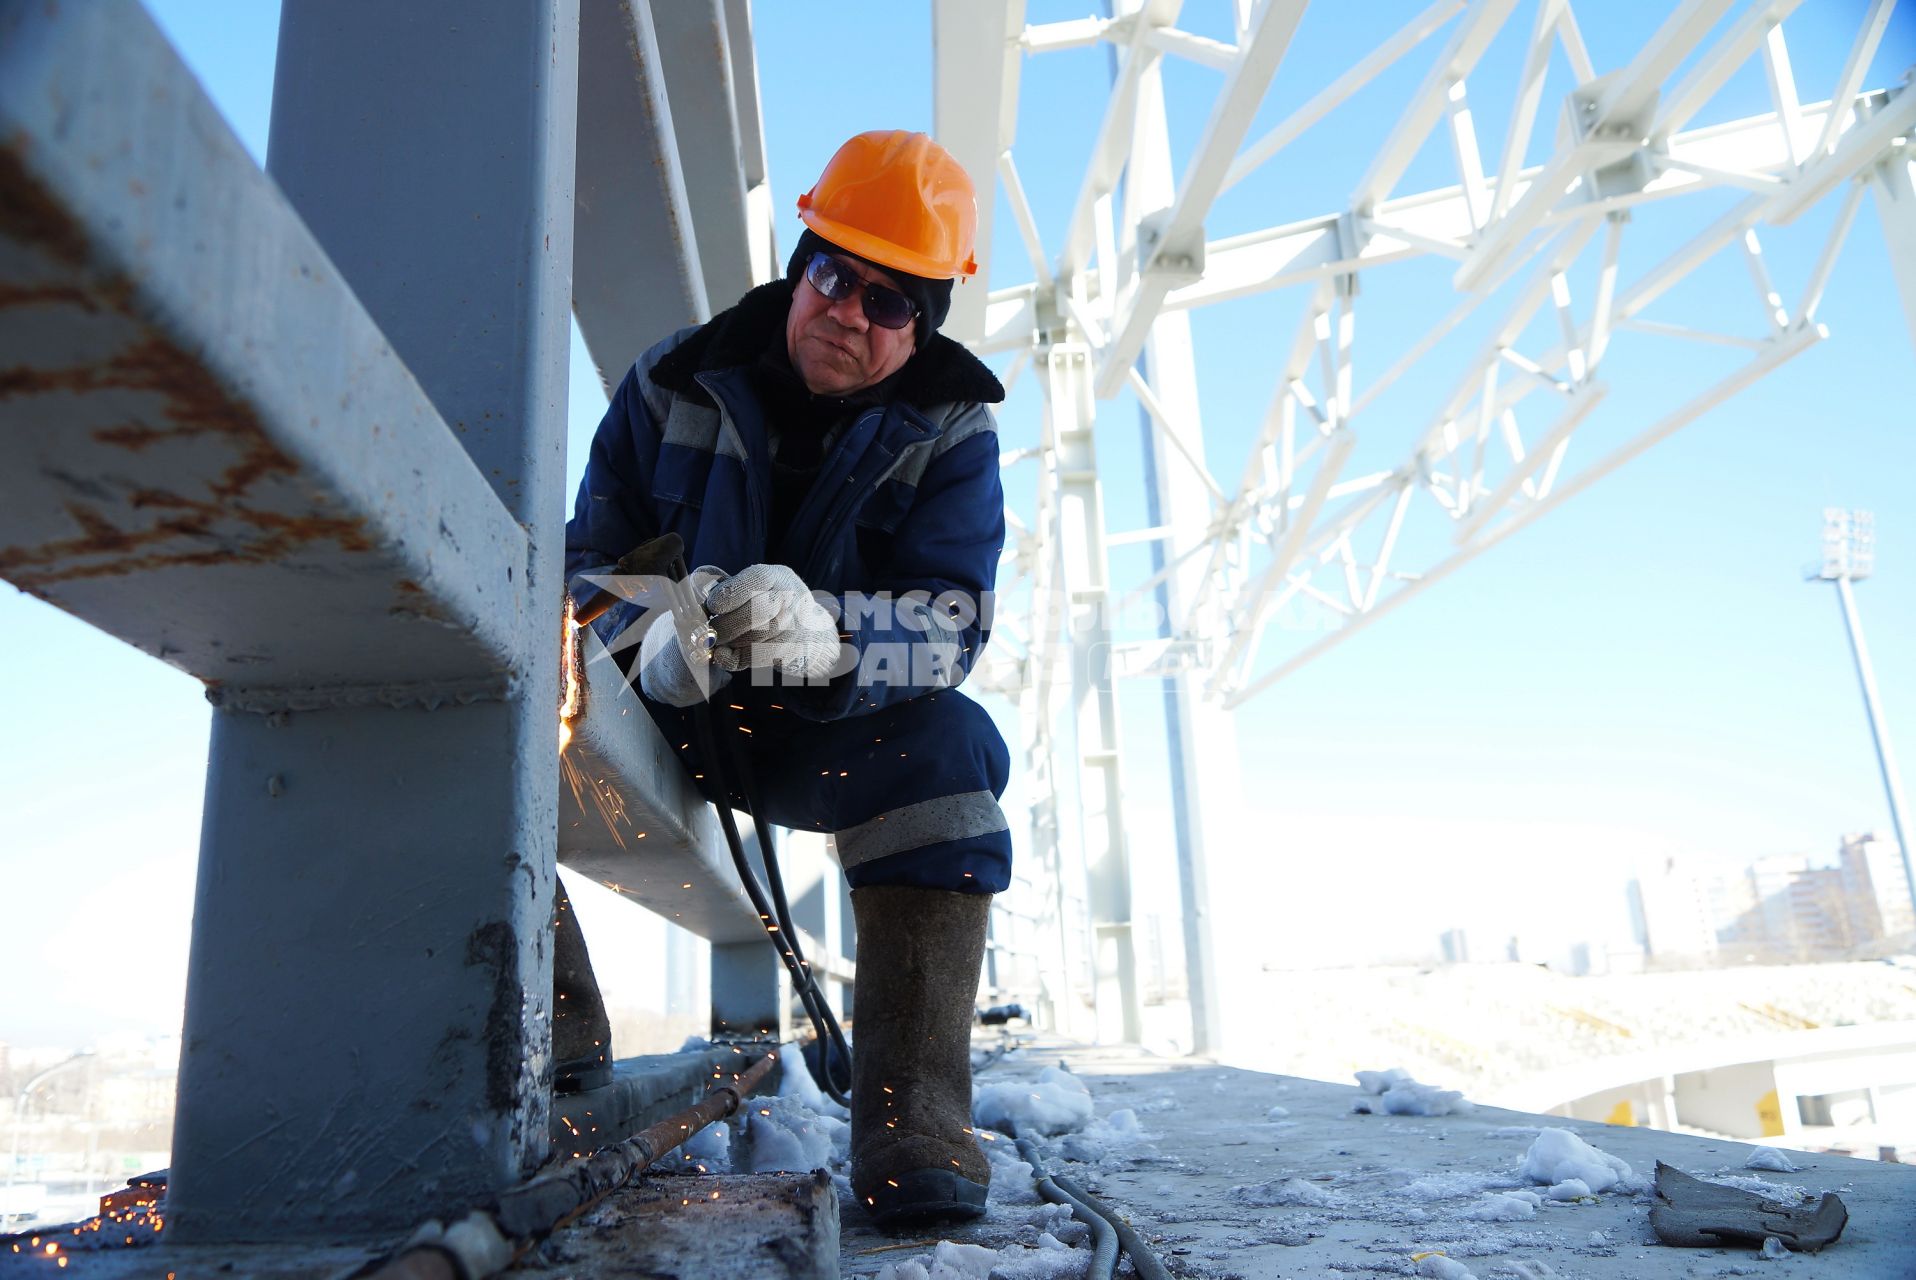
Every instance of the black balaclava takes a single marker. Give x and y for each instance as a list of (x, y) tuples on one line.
[(932, 297)]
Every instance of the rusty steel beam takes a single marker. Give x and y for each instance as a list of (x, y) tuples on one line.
[(209, 449)]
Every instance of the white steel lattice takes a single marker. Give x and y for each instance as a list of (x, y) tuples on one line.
[(1294, 529)]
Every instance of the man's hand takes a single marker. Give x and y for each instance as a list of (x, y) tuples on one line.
[(671, 673), (765, 616)]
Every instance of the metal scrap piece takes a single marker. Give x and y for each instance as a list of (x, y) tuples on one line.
[(1696, 1214)]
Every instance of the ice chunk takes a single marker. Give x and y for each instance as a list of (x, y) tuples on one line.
[(1397, 1094), (1598, 1240), (795, 1082), (1569, 1189), (707, 1151), (954, 1261), (1277, 1113), (1379, 1081), (1558, 1155), (1771, 1159), (1774, 1248), (784, 1134), (1501, 1207), (1291, 1191), (1437, 1266), (1056, 1103)]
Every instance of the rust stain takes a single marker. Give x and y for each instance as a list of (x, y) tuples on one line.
[(193, 404), (40, 295), (219, 528), (30, 213)]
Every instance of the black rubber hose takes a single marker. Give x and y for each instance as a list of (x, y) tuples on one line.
[(785, 938), (1104, 1234), (1143, 1261)]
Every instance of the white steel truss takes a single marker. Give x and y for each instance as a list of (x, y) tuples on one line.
[(1293, 529)]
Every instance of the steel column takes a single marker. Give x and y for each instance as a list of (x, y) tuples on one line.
[(1070, 414), (1878, 730), (1895, 193), (1200, 736), (367, 1022)]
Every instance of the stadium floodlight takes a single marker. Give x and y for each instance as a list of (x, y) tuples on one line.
[(1849, 555), (1849, 544)]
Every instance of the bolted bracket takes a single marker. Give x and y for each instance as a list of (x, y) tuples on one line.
[(1633, 172), (1180, 259)]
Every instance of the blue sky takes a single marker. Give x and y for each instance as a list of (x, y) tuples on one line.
[(1642, 672)]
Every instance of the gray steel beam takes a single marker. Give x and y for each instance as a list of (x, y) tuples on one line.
[(759, 211), (211, 450), (366, 1038), (633, 228), (696, 48), (975, 64), (631, 818)]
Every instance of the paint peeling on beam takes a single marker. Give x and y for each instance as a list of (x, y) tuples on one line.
[(207, 448)]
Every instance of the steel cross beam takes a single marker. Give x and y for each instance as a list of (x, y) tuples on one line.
[(216, 453)]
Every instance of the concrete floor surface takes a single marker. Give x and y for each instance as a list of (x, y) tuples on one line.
[(1221, 1191)]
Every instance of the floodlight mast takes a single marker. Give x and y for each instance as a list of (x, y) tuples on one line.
[(1849, 554)]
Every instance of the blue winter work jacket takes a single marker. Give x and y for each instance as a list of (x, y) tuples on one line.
[(907, 509)]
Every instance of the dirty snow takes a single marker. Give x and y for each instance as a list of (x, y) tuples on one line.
[(1057, 1102), (1781, 1192), (783, 1134), (1503, 1206), (1770, 1159), (1289, 1191), (1559, 1155), (795, 1082), (1397, 1094), (953, 1261)]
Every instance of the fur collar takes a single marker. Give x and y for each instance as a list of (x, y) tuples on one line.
[(941, 372)]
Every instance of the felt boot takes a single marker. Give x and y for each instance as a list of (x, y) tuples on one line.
[(919, 954), (581, 1032)]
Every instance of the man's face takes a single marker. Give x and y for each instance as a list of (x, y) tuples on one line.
[(832, 345)]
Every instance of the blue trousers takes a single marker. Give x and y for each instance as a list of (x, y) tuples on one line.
[(909, 794)]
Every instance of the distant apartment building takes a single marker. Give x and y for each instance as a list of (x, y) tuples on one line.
[(1877, 886), (1675, 911), (1780, 908)]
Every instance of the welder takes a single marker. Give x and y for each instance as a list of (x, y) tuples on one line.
[(828, 459)]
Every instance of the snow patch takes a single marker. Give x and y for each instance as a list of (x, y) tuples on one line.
[(1439, 1267), (1277, 1113), (795, 1082), (954, 1261), (1291, 1191), (1770, 1160), (1502, 1206), (1397, 1094), (783, 1134), (1559, 1155), (1780, 1192), (1056, 1103), (1570, 1189)]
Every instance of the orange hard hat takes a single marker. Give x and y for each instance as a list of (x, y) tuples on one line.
[(898, 199)]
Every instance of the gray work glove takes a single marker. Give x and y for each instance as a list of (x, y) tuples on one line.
[(765, 616), (669, 671)]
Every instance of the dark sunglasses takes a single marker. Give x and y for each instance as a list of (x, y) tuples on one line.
[(887, 308)]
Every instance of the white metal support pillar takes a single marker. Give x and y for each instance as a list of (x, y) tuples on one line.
[(367, 1026), (1071, 414), (1894, 184), (1200, 735)]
